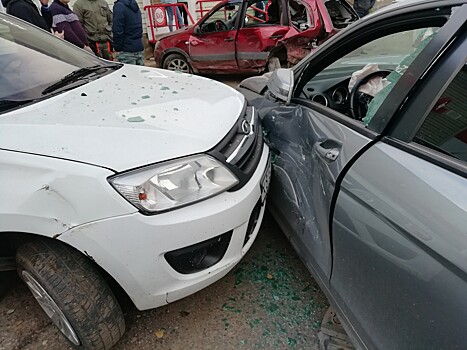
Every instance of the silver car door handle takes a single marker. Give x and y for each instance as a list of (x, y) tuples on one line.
[(329, 154)]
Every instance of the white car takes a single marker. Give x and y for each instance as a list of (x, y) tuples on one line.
[(153, 179)]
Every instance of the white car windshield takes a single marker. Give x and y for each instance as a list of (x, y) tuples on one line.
[(31, 60)]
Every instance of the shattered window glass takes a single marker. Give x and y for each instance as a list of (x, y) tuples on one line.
[(422, 39), (334, 86)]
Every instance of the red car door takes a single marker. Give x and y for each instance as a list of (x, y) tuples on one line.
[(212, 44), (258, 34)]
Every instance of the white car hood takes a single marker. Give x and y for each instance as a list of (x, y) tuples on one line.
[(129, 118)]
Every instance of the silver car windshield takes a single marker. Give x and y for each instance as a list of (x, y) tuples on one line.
[(32, 59)]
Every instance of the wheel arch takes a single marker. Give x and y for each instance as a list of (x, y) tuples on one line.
[(279, 51), (177, 50), (10, 241)]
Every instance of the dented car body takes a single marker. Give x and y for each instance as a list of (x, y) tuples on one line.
[(238, 37), (370, 185), (122, 171)]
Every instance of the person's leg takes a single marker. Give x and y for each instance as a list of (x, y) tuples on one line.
[(126, 57), (136, 58), (183, 12), (105, 51), (94, 48), (179, 18), (170, 17), (139, 58)]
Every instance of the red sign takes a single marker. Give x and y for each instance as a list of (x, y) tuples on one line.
[(159, 17)]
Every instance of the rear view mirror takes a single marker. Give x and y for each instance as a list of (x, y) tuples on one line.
[(281, 84), (230, 7)]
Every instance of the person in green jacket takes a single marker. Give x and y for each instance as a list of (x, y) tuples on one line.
[(96, 18)]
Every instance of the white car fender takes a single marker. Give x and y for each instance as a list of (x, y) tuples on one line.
[(48, 196)]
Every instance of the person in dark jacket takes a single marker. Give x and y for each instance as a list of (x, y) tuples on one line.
[(45, 12), (127, 31), (66, 21), (27, 11), (363, 7)]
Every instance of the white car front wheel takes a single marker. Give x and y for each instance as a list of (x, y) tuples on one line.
[(71, 292)]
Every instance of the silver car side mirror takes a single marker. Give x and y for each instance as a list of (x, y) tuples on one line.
[(281, 84)]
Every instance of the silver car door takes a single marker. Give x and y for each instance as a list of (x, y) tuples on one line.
[(400, 222), (310, 155), (314, 143)]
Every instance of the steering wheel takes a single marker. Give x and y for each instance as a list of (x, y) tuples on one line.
[(359, 101), (220, 26)]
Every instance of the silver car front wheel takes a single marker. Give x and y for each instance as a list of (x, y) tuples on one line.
[(177, 62)]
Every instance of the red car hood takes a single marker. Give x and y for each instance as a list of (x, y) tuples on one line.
[(176, 32)]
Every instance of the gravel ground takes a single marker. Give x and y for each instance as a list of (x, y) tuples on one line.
[(269, 301)]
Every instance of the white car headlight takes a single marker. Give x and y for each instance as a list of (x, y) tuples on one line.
[(174, 183)]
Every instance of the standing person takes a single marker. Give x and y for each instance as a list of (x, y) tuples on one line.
[(96, 19), (183, 12), (363, 7), (45, 12), (170, 14), (27, 11), (258, 14), (127, 31), (66, 21)]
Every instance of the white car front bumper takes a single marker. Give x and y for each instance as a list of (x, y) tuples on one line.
[(132, 248)]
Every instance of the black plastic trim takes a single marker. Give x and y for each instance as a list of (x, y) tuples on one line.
[(254, 154), (208, 252)]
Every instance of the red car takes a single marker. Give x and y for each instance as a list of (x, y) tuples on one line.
[(249, 36)]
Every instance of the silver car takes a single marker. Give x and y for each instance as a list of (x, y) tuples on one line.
[(370, 172)]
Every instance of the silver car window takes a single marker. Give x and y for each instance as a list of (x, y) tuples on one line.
[(445, 127)]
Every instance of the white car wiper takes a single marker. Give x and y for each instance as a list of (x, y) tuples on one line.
[(77, 75)]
